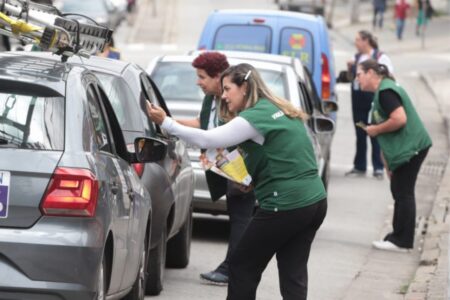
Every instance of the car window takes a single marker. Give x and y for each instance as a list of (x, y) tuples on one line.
[(297, 42), (276, 82), (149, 94), (31, 122), (250, 38), (311, 89), (177, 81), (122, 101), (101, 135)]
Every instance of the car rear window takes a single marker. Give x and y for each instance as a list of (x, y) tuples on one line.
[(250, 38), (31, 122), (297, 42), (123, 102)]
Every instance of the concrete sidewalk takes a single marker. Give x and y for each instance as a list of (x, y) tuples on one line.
[(431, 280)]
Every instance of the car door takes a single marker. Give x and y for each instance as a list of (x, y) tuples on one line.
[(116, 181), (180, 170)]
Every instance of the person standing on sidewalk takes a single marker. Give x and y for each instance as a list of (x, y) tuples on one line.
[(379, 7), (404, 143), (240, 205), (367, 47), (279, 156), (401, 9)]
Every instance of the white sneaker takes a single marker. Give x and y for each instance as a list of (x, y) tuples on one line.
[(389, 246)]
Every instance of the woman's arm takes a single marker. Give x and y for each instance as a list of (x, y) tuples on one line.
[(232, 133), (397, 119)]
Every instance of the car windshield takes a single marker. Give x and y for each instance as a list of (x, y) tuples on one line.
[(178, 81), (298, 42), (249, 38), (31, 122)]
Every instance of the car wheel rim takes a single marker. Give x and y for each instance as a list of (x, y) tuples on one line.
[(101, 288), (142, 276)]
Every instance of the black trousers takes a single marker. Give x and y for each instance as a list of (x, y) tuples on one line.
[(361, 105), (403, 182), (240, 207), (289, 235)]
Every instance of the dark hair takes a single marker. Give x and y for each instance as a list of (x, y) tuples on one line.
[(213, 63), (366, 35), (380, 69)]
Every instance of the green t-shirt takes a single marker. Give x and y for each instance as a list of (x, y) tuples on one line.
[(284, 169), (399, 146)]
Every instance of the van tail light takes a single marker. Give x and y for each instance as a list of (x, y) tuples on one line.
[(138, 167), (326, 78), (202, 47), (259, 20), (71, 192)]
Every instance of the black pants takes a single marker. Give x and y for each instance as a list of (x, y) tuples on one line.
[(403, 182), (361, 105), (289, 235), (240, 207)]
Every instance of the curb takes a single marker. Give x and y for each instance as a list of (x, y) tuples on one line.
[(431, 279)]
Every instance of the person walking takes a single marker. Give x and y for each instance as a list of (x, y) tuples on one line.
[(240, 205), (404, 143), (367, 47), (379, 7), (424, 13), (401, 9), (279, 156)]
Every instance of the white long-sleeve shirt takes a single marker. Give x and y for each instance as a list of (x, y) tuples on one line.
[(232, 133)]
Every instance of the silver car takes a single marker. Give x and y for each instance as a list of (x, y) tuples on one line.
[(75, 220), (176, 79)]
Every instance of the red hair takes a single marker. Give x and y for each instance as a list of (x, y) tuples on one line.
[(213, 63)]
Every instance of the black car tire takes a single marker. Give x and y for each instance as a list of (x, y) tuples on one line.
[(156, 265), (139, 286), (179, 247), (326, 174)]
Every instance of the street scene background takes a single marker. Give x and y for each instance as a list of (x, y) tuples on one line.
[(343, 265)]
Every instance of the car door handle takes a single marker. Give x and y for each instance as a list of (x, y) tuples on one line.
[(114, 187), (131, 194)]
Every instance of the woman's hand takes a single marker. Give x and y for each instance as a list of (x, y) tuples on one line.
[(155, 113)]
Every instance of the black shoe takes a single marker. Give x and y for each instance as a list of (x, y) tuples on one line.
[(215, 277)]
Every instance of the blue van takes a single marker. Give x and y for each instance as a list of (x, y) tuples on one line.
[(278, 32)]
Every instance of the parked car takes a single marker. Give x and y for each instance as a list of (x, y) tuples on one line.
[(75, 219), (306, 6), (176, 79), (278, 32), (104, 12), (169, 181)]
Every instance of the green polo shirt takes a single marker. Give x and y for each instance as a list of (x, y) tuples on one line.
[(284, 168)]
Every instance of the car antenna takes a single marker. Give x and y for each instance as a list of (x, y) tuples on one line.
[(45, 26)]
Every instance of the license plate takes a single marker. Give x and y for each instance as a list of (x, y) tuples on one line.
[(5, 179)]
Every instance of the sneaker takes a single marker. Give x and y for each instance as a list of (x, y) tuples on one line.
[(389, 246), (215, 278), (355, 172), (378, 174)]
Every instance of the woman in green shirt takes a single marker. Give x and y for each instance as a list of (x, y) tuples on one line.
[(279, 156), (404, 143)]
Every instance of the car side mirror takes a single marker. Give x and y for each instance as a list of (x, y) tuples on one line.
[(322, 125), (344, 77), (149, 149), (329, 107)]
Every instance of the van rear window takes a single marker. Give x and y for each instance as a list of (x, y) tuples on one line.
[(297, 42), (250, 38)]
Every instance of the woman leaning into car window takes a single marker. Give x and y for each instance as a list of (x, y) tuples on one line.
[(279, 156)]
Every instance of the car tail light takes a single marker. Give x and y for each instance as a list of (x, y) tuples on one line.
[(326, 78), (259, 20), (138, 167), (71, 192)]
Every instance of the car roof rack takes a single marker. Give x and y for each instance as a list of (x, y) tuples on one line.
[(45, 26)]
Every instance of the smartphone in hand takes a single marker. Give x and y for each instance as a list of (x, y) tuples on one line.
[(361, 125)]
